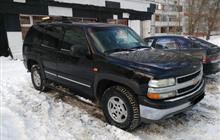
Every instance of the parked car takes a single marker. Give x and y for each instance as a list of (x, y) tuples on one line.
[(112, 65), (207, 52)]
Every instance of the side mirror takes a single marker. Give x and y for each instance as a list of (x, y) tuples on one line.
[(78, 50)]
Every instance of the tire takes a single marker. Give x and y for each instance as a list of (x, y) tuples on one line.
[(37, 79), (119, 99)]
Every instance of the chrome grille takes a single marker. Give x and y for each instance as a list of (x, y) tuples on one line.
[(188, 89), (188, 77)]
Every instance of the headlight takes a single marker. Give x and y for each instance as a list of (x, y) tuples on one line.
[(162, 83)]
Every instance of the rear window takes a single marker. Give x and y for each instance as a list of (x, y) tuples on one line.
[(202, 43), (34, 35)]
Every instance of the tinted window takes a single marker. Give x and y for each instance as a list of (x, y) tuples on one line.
[(149, 41), (166, 43), (52, 36), (34, 35), (201, 43), (74, 36), (184, 43)]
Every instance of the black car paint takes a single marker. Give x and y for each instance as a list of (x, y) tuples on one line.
[(196, 51), (132, 69)]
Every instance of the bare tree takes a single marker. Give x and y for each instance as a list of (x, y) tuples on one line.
[(203, 14), (195, 10), (212, 16)]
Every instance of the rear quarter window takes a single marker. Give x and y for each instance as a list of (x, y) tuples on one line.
[(34, 35)]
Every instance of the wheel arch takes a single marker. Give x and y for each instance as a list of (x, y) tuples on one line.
[(31, 62), (102, 82)]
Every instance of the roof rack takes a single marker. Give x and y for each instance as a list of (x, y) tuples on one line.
[(63, 19)]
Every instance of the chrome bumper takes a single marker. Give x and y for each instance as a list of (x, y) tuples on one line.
[(150, 113), (155, 114), (158, 114)]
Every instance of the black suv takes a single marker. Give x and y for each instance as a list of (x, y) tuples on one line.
[(207, 52), (112, 65)]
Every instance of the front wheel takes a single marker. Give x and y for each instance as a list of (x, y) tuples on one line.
[(121, 108), (36, 78)]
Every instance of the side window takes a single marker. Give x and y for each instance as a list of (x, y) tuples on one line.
[(166, 43), (34, 35), (74, 37), (52, 36), (184, 43), (149, 42)]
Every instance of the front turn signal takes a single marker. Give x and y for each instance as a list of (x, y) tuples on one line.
[(154, 96)]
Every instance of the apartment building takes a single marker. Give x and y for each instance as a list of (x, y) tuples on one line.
[(17, 16), (168, 17)]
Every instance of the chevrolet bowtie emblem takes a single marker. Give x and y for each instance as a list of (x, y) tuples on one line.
[(194, 81)]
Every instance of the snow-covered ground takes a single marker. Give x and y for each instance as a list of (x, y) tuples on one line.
[(27, 114)]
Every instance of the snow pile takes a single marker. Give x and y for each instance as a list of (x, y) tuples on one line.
[(26, 114)]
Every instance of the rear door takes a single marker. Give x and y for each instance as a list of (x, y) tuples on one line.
[(189, 48), (49, 48), (74, 70)]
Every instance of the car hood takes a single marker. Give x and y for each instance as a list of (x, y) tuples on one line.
[(148, 59)]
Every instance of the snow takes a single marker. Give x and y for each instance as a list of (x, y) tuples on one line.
[(215, 40), (27, 114)]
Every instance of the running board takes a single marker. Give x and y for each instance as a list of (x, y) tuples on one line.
[(65, 92)]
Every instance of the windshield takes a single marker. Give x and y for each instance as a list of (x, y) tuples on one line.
[(202, 43), (111, 39)]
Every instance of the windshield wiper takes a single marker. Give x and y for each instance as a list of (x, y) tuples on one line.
[(118, 50), (141, 47)]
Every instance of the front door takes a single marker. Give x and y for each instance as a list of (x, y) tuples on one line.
[(74, 68)]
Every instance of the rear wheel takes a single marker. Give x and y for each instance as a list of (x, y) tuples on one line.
[(121, 108), (37, 79)]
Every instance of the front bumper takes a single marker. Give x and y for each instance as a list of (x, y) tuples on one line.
[(156, 114), (154, 110)]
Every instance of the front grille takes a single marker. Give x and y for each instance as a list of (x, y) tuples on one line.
[(188, 77), (189, 89)]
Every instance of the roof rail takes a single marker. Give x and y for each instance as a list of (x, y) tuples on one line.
[(59, 19)]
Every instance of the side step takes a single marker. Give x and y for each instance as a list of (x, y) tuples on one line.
[(66, 92)]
